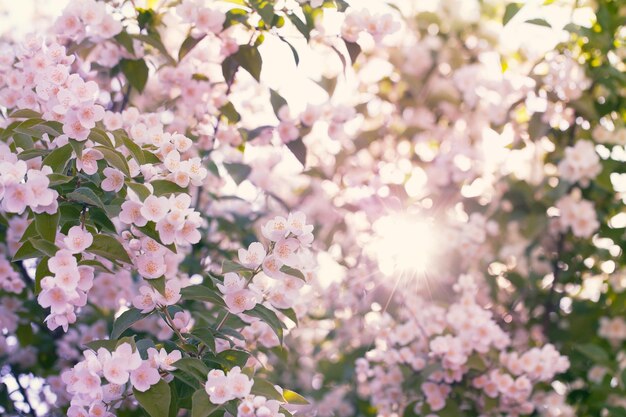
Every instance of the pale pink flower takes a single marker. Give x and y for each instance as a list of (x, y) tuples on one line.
[(78, 239), (252, 257), (114, 180), (155, 208), (150, 266), (88, 162), (144, 377)]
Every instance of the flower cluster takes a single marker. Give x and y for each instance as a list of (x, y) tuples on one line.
[(24, 187), (259, 406), (577, 214), (581, 163), (68, 287), (289, 239), (460, 345), (99, 381), (87, 18), (223, 387)]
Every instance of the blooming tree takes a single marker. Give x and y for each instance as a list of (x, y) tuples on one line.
[(439, 234)]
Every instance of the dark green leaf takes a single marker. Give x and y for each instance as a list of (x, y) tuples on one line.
[(188, 44), (202, 293), (156, 400), (293, 272), (115, 159), (109, 248), (298, 149), (86, 195), (47, 225), (26, 251), (265, 388), (539, 22), (136, 72), (205, 335), (353, 50), (25, 114), (58, 158), (249, 58), (238, 172), (124, 39), (200, 404), (510, 11), (125, 320), (165, 187), (269, 317), (44, 247), (277, 101), (265, 9), (194, 367)]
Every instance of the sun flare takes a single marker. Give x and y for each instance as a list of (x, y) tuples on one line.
[(405, 244)]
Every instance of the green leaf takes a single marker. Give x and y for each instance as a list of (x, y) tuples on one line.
[(136, 72), (32, 153), (593, 352), (290, 313), (139, 189), (101, 137), (510, 11), (44, 247), (134, 149), (58, 179), (539, 22), (298, 149), (188, 44), (77, 146), (202, 293), (26, 251), (124, 39), (101, 220), (115, 159), (47, 225), (238, 172), (293, 272), (267, 389), (96, 264), (200, 404), (300, 25), (165, 187), (58, 158), (154, 39), (229, 111), (230, 266), (205, 335), (125, 320), (109, 248), (269, 317), (25, 114), (277, 101), (86, 196), (156, 400), (249, 58), (296, 57), (232, 357), (194, 367), (294, 398), (353, 50), (109, 345), (230, 65), (157, 283), (264, 8), (41, 272)]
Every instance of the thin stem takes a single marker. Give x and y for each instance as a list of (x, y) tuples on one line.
[(170, 323)]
